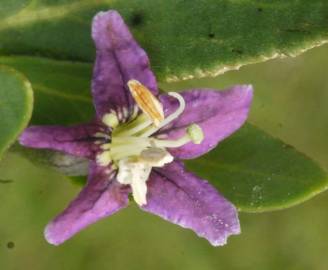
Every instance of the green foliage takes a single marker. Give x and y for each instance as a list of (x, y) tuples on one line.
[(16, 101), (61, 89), (183, 38), (259, 173)]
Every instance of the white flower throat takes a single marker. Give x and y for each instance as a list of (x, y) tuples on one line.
[(133, 148)]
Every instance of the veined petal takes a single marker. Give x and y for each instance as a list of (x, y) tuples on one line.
[(119, 59), (76, 140), (218, 113), (101, 197), (184, 199)]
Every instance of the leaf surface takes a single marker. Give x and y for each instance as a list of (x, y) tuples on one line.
[(16, 102), (260, 173), (184, 39)]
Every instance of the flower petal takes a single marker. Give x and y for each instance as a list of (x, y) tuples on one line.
[(101, 197), (76, 140), (184, 199), (119, 59), (218, 113)]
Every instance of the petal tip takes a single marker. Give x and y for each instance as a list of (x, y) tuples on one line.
[(106, 23), (223, 241), (244, 93), (49, 235), (107, 13), (249, 89), (233, 229), (244, 88)]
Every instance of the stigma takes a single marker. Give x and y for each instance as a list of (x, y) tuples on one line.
[(133, 146)]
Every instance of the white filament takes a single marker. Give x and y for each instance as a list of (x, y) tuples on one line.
[(171, 117)]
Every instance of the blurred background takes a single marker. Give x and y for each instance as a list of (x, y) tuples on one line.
[(291, 102)]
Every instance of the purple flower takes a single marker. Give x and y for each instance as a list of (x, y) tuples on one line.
[(138, 139)]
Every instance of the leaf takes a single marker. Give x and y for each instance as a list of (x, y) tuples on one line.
[(252, 169), (183, 38), (61, 89), (16, 102), (259, 173)]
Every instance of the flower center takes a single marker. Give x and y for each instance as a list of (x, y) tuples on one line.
[(133, 147)]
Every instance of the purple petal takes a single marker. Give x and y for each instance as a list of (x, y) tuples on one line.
[(101, 197), (184, 199), (119, 59), (76, 140), (218, 113)]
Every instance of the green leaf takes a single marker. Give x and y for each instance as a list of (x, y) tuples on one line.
[(16, 102), (61, 89), (254, 170), (259, 173), (183, 38)]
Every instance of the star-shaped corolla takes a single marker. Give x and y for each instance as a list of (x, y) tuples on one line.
[(138, 140)]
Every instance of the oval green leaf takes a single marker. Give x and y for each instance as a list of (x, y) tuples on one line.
[(260, 173), (183, 38), (16, 103)]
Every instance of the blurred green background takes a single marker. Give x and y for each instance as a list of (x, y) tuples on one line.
[(291, 102)]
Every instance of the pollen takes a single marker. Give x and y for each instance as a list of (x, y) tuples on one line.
[(147, 102)]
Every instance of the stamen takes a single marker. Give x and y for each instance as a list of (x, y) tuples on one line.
[(171, 117), (110, 120), (126, 150), (194, 134), (134, 127), (105, 146), (172, 143), (104, 159), (138, 128), (176, 114), (101, 135), (124, 140), (147, 102)]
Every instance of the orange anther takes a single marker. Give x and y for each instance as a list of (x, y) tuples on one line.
[(146, 101)]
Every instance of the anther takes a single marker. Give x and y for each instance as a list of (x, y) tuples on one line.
[(195, 133), (146, 101), (110, 120), (104, 158)]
